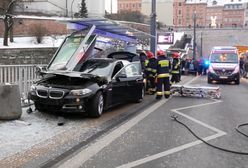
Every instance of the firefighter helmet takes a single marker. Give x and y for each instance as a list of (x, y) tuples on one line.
[(149, 54), (160, 53), (175, 55)]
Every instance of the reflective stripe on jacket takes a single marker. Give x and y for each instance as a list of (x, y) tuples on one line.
[(163, 67)]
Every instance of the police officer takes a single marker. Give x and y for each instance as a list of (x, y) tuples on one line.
[(175, 72), (163, 76), (150, 69)]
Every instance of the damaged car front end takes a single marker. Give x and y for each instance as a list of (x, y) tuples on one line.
[(76, 81)]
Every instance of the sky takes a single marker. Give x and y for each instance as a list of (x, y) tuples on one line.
[(108, 5)]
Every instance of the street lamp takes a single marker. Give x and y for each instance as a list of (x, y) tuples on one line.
[(66, 8), (153, 31), (71, 8), (194, 40), (111, 6)]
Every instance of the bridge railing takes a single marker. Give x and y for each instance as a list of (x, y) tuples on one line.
[(22, 75)]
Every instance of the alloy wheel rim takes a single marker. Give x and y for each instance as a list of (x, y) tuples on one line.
[(100, 104)]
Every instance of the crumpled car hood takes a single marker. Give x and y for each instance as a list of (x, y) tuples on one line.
[(70, 79)]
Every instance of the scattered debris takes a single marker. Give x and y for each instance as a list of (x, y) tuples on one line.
[(22, 122), (61, 121)]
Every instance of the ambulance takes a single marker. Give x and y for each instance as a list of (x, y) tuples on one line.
[(224, 65)]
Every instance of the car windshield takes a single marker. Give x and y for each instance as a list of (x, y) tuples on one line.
[(224, 58), (97, 67)]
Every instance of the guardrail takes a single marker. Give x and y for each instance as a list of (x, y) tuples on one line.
[(22, 75)]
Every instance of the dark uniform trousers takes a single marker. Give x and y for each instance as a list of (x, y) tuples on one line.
[(163, 78), (150, 75), (175, 78), (163, 82)]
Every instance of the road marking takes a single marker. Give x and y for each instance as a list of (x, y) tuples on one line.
[(198, 121), (168, 152), (192, 80), (84, 155), (80, 158), (219, 133)]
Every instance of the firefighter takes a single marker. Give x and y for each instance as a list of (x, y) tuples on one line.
[(150, 71), (143, 58), (175, 72), (163, 75)]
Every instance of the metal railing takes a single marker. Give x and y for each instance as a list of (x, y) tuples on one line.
[(22, 75)]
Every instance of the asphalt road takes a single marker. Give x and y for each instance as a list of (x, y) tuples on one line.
[(135, 135), (152, 139)]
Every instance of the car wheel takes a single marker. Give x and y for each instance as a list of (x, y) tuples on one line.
[(39, 107), (96, 105), (237, 82), (209, 80), (142, 95)]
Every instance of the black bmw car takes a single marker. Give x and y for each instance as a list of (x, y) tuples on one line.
[(92, 85)]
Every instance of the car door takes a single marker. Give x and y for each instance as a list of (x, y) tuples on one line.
[(119, 85), (128, 83), (135, 82)]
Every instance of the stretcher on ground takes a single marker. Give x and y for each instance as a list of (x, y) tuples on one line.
[(196, 91)]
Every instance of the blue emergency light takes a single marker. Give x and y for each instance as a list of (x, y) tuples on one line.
[(206, 63)]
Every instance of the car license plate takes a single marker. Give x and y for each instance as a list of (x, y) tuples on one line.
[(223, 77)]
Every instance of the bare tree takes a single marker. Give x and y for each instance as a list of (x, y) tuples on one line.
[(7, 10)]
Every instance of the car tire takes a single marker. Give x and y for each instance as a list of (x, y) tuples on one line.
[(96, 105), (39, 107), (209, 80), (142, 96), (237, 82)]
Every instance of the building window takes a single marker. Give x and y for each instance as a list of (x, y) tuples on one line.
[(179, 4), (179, 12)]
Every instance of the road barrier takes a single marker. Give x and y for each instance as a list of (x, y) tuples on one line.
[(22, 75)]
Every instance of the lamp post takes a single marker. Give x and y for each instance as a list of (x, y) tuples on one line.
[(194, 40), (71, 8), (153, 43), (111, 6), (66, 8)]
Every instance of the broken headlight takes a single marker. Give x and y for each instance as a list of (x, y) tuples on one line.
[(80, 92)]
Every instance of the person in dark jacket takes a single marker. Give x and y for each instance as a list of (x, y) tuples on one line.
[(163, 76), (143, 58), (175, 72), (150, 71)]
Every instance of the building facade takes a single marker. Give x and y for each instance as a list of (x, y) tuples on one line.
[(214, 13), (164, 10), (63, 7), (129, 5), (214, 16), (233, 15), (179, 13)]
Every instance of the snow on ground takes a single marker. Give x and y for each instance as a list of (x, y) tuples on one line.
[(30, 42), (31, 129)]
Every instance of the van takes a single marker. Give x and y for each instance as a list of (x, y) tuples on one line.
[(224, 65)]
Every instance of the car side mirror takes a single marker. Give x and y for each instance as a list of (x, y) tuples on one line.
[(120, 76)]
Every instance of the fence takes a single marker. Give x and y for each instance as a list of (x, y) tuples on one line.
[(22, 75)]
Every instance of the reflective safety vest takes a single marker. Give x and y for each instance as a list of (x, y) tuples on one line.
[(163, 67), (151, 67), (176, 66)]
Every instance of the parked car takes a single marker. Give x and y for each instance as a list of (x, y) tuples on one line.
[(78, 83)]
